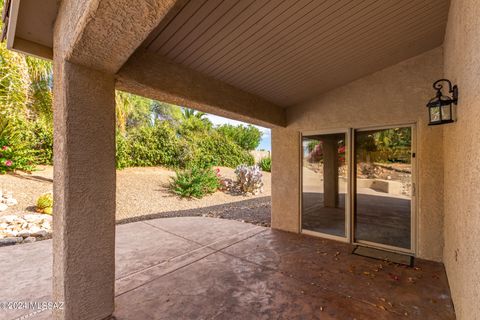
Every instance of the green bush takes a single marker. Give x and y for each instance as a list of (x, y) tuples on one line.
[(149, 146), (265, 164), (41, 142), (195, 182), (214, 149), (247, 137)]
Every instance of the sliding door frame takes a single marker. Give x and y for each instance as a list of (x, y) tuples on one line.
[(348, 207), (413, 202)]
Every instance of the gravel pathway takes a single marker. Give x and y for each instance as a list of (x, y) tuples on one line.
[(142, 193)]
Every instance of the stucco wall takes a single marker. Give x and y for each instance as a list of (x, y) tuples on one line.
[(285, 179), (395, 95), (462, 160)]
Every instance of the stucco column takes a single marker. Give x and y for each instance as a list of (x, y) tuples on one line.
[(84, 192), (330, 172), (286, 179)]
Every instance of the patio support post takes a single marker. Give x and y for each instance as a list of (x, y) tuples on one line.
[(286, 179), (330, 173), (84, 192)]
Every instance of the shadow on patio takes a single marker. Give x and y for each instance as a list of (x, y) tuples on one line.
[(195, 267)]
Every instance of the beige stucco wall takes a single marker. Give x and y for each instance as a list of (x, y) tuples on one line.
[(462, 160), (395, 95)]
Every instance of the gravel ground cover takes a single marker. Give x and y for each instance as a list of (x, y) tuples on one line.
[(142, 193)]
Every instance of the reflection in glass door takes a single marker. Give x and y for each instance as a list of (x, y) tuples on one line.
[(383, 187), (325, 184)]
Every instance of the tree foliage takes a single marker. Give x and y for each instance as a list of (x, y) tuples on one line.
[(247, 137)]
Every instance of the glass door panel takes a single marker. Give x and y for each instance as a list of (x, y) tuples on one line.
[(325, 184), (383, 187)]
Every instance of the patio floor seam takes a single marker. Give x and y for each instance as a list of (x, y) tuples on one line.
[(260, 265), (252, 262), (186, 265)]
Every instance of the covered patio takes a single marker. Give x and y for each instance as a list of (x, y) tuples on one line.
[(205, 268), (304, 69)]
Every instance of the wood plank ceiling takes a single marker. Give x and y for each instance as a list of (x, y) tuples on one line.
[(289, 51)]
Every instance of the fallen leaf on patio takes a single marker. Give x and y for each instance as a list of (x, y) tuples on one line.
[(394, 277)]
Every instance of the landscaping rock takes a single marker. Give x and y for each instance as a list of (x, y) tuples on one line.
[(10, 241), (17, 229), (40, 234), (11, 202), (24, 234), (29, 240)]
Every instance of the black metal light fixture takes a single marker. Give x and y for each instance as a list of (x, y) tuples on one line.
[(440, 107)]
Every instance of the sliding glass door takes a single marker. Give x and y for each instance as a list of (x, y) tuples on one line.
[(325, 184), (383, 187), (376, 209)]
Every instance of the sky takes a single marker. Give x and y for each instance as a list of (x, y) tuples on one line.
[(265, 143)]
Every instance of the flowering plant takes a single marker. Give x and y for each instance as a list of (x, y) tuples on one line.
[(6, 162)]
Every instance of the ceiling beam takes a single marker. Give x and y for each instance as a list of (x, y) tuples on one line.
[(155, 77), (103, 34)]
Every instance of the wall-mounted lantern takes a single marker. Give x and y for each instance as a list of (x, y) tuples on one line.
[(440, 107)]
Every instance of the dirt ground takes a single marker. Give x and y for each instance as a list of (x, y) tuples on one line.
[(142, 193)]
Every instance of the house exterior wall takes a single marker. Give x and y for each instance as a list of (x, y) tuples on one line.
[(393, 96), (462, 159)]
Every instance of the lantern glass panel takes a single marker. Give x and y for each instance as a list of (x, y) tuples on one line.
[(446, 112), (435, 114)]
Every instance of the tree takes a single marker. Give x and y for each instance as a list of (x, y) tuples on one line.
[(166, 111), (132, 111), (247, 137)]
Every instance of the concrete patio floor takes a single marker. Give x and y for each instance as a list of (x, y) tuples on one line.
[(204, 268)]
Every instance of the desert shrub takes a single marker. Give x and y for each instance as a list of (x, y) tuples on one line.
[(195, 182), (213, 149), (265, 164), (149, 146), (249, 179), (247, 137), (45, 203)]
